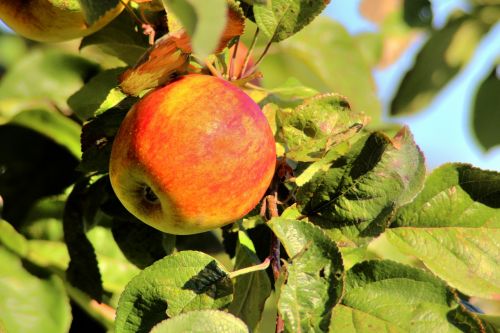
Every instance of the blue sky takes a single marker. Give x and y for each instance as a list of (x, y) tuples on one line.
[(442, 130)]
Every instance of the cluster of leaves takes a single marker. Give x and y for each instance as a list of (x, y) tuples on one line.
[(369, 241)]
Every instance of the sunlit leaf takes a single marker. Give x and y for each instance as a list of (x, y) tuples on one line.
[(202, 321), (200, 283)]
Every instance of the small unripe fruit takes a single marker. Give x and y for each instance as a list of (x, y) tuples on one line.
[(192, 156), (51, 20)]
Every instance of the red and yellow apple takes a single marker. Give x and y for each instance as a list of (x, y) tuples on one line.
[(51, 20), (192, 156)]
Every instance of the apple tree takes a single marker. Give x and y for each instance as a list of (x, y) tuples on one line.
[(349, 233)]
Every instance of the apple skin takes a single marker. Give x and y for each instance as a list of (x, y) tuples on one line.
[(50, 20), (202, 146)]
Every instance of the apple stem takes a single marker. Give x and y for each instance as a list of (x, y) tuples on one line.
[(233, 59), (255, 268), (250, 51)]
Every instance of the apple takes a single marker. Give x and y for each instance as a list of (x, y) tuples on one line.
[(51, 20), (192, 156)]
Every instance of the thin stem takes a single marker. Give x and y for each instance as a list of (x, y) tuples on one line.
[(268, 45), (260, 267), (232, 61), (132, 13), (250, 50)]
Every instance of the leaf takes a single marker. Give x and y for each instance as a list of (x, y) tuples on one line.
[(204, 22), (317, 125), (98, 95), (357, 196), (30, 299), (465, 258), (341, 67), (55, 126), (83, 270), (418, 13), (250, 290), (115, 269), (178, 283), (442, 57), (202, 321), (93, 11), (315, 281), (32, 168), (120, 39), (485, 115), (384, 293), (350, 320), (54, 76), (12, 240), (455, 195), (44, 219), (453, 226), (280, 19), (12, 48), (140, 243), (169, 57), (97, 137)]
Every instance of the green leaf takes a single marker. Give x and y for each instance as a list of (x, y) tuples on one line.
[(202, 321), (341, 67), (455, 195), (466, 258), (485, 116), (32, 168), (357, 196), (120, 39), (350, 320), (140, 243), (44, 219), (12, 48), (50, 254), (204, 22), (98, 95), (12, 240), (115, 269), (316, 275), (93, 11), (453, 226), (55, 126), (280, 19), (30, 299), (182, 282), (97, 137), (442, 57), (400, 298), (53, 77), (250, 290), (83, 270), (418, 13), (318, 125)]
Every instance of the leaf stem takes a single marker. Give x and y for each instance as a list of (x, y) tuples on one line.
[(250, 50), (268, 45), (233, 59), (262, 266)]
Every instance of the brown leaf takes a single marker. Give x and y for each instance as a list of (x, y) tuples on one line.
[(377, 10), (169, 57)]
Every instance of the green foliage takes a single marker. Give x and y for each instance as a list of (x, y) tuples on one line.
[(349, 192), (199, 283), (202, 321)]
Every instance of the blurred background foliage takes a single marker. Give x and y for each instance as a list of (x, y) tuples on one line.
[(43, 107)]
